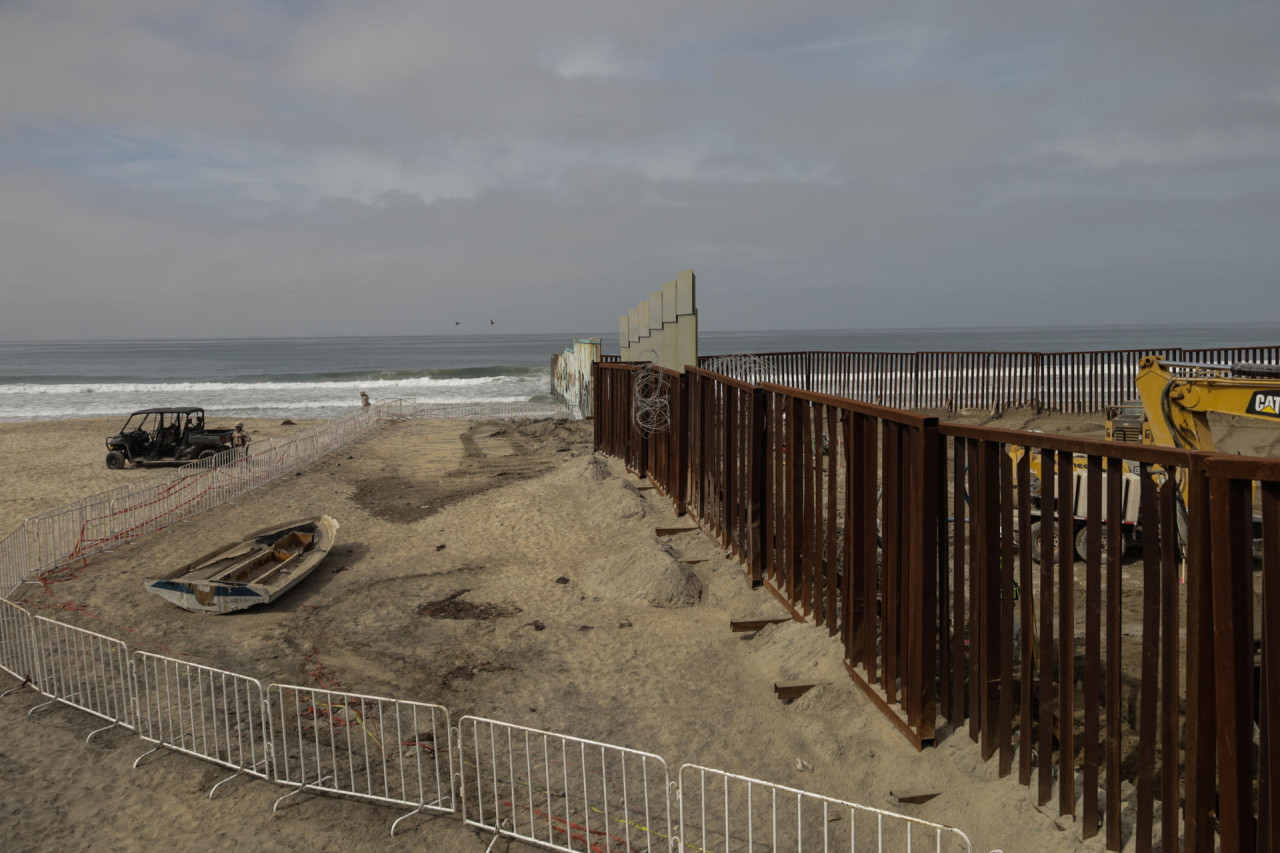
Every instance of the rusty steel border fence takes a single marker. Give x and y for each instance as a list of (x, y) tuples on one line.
[(663, 453), (1034, 669), (1086, 381), (968, 576)]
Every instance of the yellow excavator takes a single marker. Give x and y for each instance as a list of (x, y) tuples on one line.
[(1175, 399)]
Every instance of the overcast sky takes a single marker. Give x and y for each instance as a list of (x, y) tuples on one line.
[(238, 167)]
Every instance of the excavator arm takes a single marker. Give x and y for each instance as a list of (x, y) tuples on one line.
[(1177, 403)]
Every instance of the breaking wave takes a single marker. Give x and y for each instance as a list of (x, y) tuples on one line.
[(319, 396)]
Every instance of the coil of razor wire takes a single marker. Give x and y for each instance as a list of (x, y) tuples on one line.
[(743, 367), (651, 401)]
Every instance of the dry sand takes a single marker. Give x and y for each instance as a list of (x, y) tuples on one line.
[(506, 512)]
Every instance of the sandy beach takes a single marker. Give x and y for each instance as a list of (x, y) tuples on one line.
[(520, 516)]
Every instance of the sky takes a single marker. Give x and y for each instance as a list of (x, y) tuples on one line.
[(252, 168)]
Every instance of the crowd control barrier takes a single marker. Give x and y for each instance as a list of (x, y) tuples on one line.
[(202, 711), (469, 411), (84, 670), (369, 747), (723, 812), (14, 560), (561, 792), (547, 789), (17, 642)]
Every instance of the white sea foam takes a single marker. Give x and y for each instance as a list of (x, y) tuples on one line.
[(427, 383), (318, 399)]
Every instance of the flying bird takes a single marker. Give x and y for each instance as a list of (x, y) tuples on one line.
[(490, 322), (456, 323)]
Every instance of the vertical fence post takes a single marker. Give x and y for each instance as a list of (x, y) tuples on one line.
[(794, 472), (757, 460), (1231, 584), (680, 435), (916, 359), (1037, 381), (641, 443), (598, 414), (922, 654), (1201, 725), (693, 446)]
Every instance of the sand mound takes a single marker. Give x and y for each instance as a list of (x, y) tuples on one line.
[(628, 502), (593, 468), (616, 498), (793, 651), (648, 572)]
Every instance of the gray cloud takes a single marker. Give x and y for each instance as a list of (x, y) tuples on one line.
[(321, 168)]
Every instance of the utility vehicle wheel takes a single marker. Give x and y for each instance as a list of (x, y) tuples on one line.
[(1082, 542), (115, 460), (207, 453), (1034, 533)]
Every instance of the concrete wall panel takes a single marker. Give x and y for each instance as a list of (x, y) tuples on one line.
[(669, 302), (668, 344), (685, 303), (687, 341)]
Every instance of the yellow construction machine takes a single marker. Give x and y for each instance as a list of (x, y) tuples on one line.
[(1175, 399), (1177, 404), (1129, 527), (1127, 422)]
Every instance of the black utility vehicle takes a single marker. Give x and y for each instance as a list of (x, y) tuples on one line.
[(152, 435)]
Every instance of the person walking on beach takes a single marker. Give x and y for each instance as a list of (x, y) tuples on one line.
[(364, 400)]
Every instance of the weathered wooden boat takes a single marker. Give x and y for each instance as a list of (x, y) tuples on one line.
[(258, 569)]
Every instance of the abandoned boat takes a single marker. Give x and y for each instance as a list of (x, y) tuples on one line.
[(259, 569)]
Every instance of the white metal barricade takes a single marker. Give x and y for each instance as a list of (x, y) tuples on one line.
[(17, 650), (484, 411), (206, 712), (72, 532), (15, 564), (562, 792), (720, 811), (95, 532), (84, 670), (147, 509), (50, 536), (385, 750)]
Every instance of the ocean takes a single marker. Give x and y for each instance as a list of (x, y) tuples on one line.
[(323, 377)]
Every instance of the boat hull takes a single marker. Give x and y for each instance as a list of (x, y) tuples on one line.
[(257, 570), (207, 597)]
